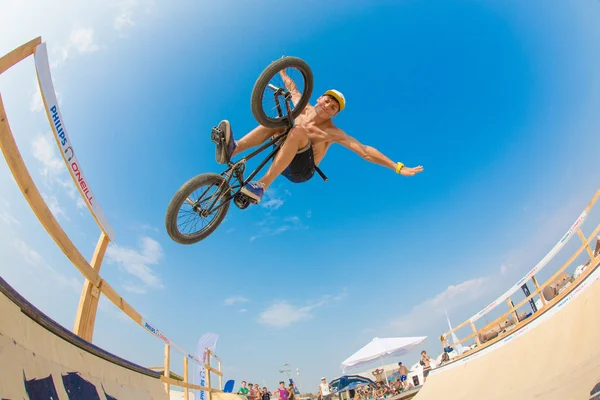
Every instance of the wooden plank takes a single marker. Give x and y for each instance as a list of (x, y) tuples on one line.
[(537, 288), (118, 301), (36, 202), (186, 391), (584, 240), (512, 309), (175, 382), (167, 369), (18, 54), (90, 295), (213, 369), (220, 376)]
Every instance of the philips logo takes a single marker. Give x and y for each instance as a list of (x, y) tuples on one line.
[(58, 125), (150, 328)]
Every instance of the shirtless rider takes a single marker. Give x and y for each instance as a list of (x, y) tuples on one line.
[(306, 143)]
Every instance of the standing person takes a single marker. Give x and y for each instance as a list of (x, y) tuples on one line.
[(291, 392), (426, 363), (243, 390), (324, 389), (281, 392), (403, 372), (266, 395)]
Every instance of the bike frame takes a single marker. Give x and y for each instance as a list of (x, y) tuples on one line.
[(236, 169)]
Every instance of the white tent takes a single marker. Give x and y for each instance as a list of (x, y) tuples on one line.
[(380, 348)]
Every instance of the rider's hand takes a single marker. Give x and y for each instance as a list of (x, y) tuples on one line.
[(406, 171)]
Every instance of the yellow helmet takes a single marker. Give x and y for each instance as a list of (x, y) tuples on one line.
[(336, 94)]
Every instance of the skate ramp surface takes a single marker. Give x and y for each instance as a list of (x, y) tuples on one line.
[(554, 357), (39, 359)]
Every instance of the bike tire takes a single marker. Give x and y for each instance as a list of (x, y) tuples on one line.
[(175, 204), (256, 99)]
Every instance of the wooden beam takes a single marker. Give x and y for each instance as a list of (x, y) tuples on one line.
[(186, 391), (537, 288), (36, 202), (18, 54), (90, 295), (587, 245), (167, 361)]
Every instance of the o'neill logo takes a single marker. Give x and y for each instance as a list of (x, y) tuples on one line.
[(58, 126), (84, 186)]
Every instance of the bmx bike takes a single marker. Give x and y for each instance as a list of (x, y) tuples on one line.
[(218, 190)]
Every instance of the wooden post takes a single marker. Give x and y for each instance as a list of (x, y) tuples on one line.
[(537, 288), (475, 332), (514, 311), (207, 367), (220, 376), (584, 240), (167, 372), (90, 295), (186, 391)]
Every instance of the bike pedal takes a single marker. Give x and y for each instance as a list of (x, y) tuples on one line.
[(216, 135)]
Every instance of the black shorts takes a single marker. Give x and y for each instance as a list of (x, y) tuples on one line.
[(302, 167)]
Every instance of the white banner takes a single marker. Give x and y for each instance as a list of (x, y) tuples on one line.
[(60, 133), (566, 237), (208, 340)]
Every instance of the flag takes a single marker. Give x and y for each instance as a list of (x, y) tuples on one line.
[(206, 341)]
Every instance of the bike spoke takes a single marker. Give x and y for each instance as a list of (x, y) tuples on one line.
[(189, 218), (269, 103)]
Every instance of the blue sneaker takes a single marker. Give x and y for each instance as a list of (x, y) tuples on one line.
[(254, 190), (224, 152)]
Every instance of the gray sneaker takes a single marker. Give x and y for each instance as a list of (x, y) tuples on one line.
[(225, 142)]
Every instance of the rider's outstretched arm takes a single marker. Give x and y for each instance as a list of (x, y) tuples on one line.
[(371, 154), (290, 85)]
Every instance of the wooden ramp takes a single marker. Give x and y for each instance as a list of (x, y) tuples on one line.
[(39, 359), (556, 357)]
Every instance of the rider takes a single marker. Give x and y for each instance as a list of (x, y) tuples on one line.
[(306, 143)]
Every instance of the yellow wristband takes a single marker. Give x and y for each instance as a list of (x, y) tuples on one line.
[(399, 167)]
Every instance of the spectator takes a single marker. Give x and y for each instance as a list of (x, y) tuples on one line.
[(426, 363), (281, 392), (243, 390), (265, 394), (403, 372), (324, 389), (378, 373), (291, 392)]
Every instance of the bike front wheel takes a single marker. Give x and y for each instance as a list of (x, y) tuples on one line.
[(268, 102), (208, 208)]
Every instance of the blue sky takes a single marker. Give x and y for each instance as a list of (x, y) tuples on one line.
[(497, 100)]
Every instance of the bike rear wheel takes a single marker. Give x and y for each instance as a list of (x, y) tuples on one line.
[(213, 191), (265, 90)]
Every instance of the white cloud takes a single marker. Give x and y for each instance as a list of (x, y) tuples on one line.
[(272, 226), (308, 214), (80, 203), (34, 259), (82, 40), (242, 310), (6, 215), (234, 300), (455, 296), (136, 262), (54, 206), (282, 314)]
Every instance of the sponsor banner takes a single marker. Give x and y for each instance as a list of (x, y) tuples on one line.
[(206, 341), (564, 240), (156, 332), (64, 143), (590, 280)]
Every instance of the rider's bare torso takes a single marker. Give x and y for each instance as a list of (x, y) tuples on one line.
[(320, 134)]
